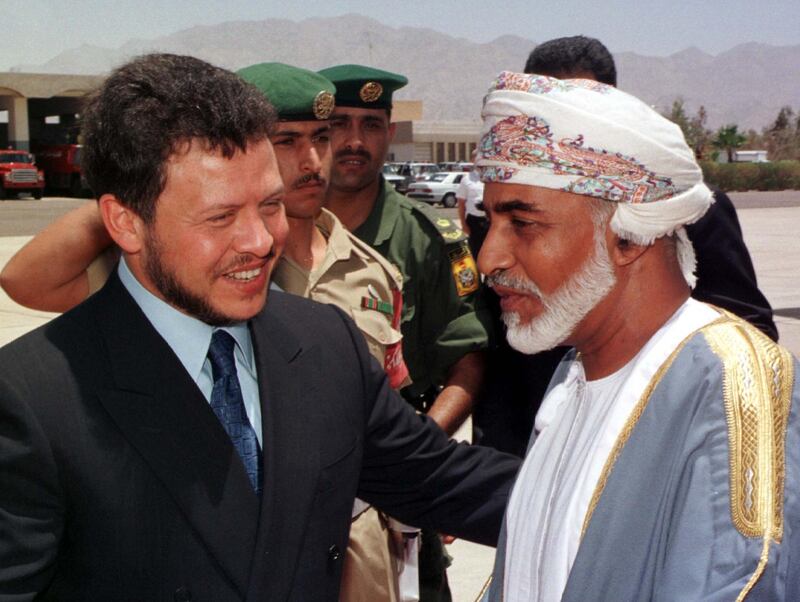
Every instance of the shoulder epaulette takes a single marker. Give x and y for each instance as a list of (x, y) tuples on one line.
[(462, 264), (449, 229)]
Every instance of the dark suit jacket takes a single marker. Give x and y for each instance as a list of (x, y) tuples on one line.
[(117, 482), (725, 274)]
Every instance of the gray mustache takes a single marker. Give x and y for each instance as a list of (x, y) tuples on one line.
[(516, 283)]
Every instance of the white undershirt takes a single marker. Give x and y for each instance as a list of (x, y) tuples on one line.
[(577, 425), (471, 190)]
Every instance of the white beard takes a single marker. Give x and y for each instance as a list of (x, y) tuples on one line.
[(565, 308)]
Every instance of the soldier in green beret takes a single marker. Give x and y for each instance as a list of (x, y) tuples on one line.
[(446, 324), (325, 262), (321, 259)]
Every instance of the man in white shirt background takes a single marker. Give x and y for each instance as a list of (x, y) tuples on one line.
[(473, 220)]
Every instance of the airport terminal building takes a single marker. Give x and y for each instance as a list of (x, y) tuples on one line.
[(43, 108), (39, 108)]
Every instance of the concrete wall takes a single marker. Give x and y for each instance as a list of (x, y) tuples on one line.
[(18, 132)]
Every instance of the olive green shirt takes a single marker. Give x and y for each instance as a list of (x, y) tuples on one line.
[(441, 320)]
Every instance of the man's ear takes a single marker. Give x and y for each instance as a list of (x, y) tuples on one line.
[(392, 130), (123, 224), (623, 252)]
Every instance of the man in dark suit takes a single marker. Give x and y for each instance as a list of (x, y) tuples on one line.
[(172, 439)]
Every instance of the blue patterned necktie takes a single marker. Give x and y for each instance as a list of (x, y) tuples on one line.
[(228, 404)]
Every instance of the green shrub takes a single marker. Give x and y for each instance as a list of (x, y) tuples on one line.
[(775, 175)]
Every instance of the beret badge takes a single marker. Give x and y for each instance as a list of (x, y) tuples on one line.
[(323, 105), (370, 92)]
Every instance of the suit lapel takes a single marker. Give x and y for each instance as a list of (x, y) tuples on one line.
[(163, 414), (291, 462)]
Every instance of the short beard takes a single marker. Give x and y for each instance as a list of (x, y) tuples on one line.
[(565, 308), (173, 291)]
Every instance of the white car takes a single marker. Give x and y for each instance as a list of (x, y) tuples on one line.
[(414, 172), (390, 175), (439, 187)]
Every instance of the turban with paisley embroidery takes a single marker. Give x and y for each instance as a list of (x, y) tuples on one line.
[(588, 138)]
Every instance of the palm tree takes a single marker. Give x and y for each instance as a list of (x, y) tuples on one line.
[(729, 138)]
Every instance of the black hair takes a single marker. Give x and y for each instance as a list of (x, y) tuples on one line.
[(149, 108), (566, 57)]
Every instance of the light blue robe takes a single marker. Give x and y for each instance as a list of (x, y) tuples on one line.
[(698, 491)]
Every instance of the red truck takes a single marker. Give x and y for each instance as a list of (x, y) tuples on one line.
[(62, 167), (18, 173)]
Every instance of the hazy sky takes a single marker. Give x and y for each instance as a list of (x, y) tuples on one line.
[(34, 31)]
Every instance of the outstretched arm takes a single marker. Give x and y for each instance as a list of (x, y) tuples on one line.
[(50, 272), (454, 403), (462, 214)]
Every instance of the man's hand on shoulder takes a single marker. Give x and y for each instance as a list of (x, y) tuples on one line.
[(49, 272)]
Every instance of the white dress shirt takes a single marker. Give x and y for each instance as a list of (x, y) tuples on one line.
[(471, 190)]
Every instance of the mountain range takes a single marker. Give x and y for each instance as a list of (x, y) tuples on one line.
[(746, 85)]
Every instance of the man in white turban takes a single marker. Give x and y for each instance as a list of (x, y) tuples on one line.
[(665, 459)]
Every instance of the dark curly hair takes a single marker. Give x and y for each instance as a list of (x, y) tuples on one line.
[(565, 57), (148, 108)]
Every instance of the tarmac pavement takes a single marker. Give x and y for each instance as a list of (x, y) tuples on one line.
[(769, 221)]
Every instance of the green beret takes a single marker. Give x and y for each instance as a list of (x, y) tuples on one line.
[(364, 87), (297, 94)]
